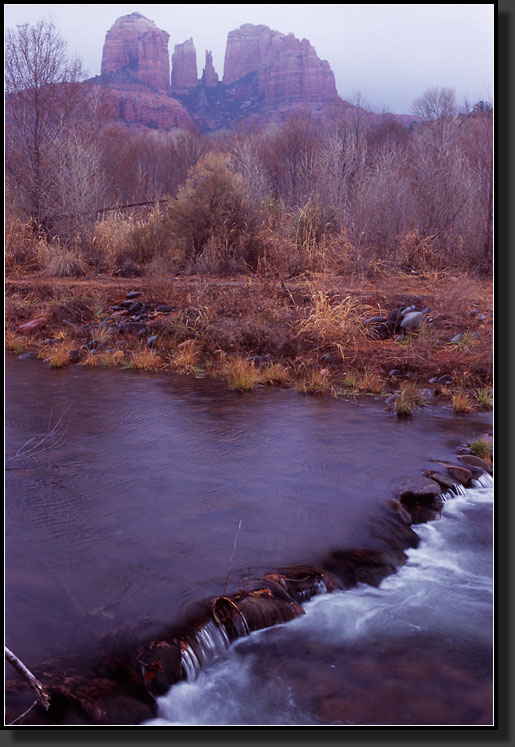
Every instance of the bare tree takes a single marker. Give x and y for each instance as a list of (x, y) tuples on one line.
[(436, 104), (42, 95)]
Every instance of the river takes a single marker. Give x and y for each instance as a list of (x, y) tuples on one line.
[(125, 494)]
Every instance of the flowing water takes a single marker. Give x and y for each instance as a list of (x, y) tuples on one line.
[(414, 651), (124, 495)]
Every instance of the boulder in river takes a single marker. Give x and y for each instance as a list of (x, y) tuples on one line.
[(445, 481), (469, 460), (418, 490), (459, 474)]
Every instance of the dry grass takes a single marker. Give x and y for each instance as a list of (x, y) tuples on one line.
[(187, 356), (371, 381), (276, 374), (21, 245), (314, 381), (462, 402), (109, 358), (145, 360), (484, 398), (61, 262), (407, 400), (482, 449), (57, 356), (296, 319), (333, 323), (240, 374), (15, 343)]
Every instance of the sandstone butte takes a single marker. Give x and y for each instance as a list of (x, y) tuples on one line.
[(266, 76)]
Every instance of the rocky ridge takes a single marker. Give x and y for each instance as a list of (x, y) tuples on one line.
[(266, 76)]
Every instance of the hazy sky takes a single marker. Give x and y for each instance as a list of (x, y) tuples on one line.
[(389, 54)]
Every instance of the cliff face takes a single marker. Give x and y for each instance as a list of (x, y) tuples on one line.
[(287, 67), (266, 76), (184, 67), (136, 45), (138, 106)]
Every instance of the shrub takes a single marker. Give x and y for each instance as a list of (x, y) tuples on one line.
[(213, 213), (148, 239), (62, 262)]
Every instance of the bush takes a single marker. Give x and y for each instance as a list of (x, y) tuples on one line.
[(62, 262), (214, 216), (148, 240), (123, 243)]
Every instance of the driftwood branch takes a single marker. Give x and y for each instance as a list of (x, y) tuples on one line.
[(34, 684)]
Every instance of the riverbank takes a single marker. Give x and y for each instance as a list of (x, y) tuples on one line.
[(318, 333)]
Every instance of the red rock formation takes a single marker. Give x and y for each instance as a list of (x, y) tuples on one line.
[(136, 45), (209, 76), (184, 67), (288, 69), (139, 106)]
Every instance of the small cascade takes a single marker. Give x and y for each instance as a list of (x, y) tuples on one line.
[(210, 642), (190, 662), (318, 586), (483, 481)]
